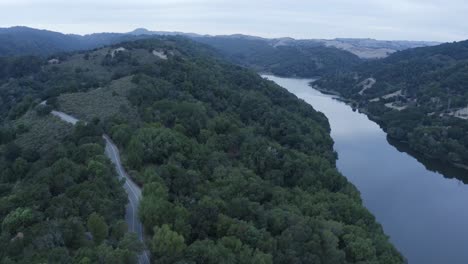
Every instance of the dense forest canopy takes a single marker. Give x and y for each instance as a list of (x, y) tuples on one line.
[(62, 204), (419, 96), (234, 168)]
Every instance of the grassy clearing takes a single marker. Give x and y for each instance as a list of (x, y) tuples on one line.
[(102, 103)]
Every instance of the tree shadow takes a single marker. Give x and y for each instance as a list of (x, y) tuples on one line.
[(446, 169)]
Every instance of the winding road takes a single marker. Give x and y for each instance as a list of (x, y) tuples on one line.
[(134, 196), (133, 191)]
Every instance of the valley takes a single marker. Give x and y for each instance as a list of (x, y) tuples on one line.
[(175, 149)]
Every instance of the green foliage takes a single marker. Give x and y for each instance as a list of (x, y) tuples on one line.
[(156, 145), (18, 219), (98, 227), (167, 245), (234, 168), (48, 200)]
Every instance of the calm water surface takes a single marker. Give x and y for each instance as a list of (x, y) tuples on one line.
[(424, 212)]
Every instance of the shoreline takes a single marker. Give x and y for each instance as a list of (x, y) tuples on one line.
[(354, 105)]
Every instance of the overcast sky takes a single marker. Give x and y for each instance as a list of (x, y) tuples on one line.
[(440, 20)]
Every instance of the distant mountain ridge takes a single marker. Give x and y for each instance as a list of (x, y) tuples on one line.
[(365, 48), (144, 31), (16, 41), (265, 55), (20, 40)]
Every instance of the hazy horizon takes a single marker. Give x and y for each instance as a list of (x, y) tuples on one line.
[(214, 35), (431, 20)]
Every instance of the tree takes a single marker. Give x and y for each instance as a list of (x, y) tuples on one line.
[(261, 258), (19, 218), (167, 245), (98, 227), (97, 169), (119, 229), (154, 207), (121, 134), (130, 242), (358, 248)]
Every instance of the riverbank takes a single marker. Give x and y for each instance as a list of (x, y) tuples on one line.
[(355, 105)]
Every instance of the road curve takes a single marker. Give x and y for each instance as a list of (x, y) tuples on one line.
[(133, 191), (134, 196)]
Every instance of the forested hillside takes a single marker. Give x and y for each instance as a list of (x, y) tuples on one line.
[(60, 201), (20, 41), (282, 56), (419, 96), (234, 168), (62, 204)]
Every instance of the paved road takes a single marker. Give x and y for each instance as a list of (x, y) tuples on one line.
[(134, 196), (133, 191)]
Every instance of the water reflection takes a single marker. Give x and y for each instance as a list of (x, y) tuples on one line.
[(447, 170)]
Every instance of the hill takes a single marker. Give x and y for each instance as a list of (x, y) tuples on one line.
[(234, 168), (20, 41), (419, 96), (307, 53), (265, 55), (363, 48)]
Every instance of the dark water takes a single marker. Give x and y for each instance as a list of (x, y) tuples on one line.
[(422, 205)]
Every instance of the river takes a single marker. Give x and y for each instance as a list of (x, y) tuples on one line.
[(422, 206)]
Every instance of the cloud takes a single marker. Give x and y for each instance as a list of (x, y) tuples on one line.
[(383, 19)]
